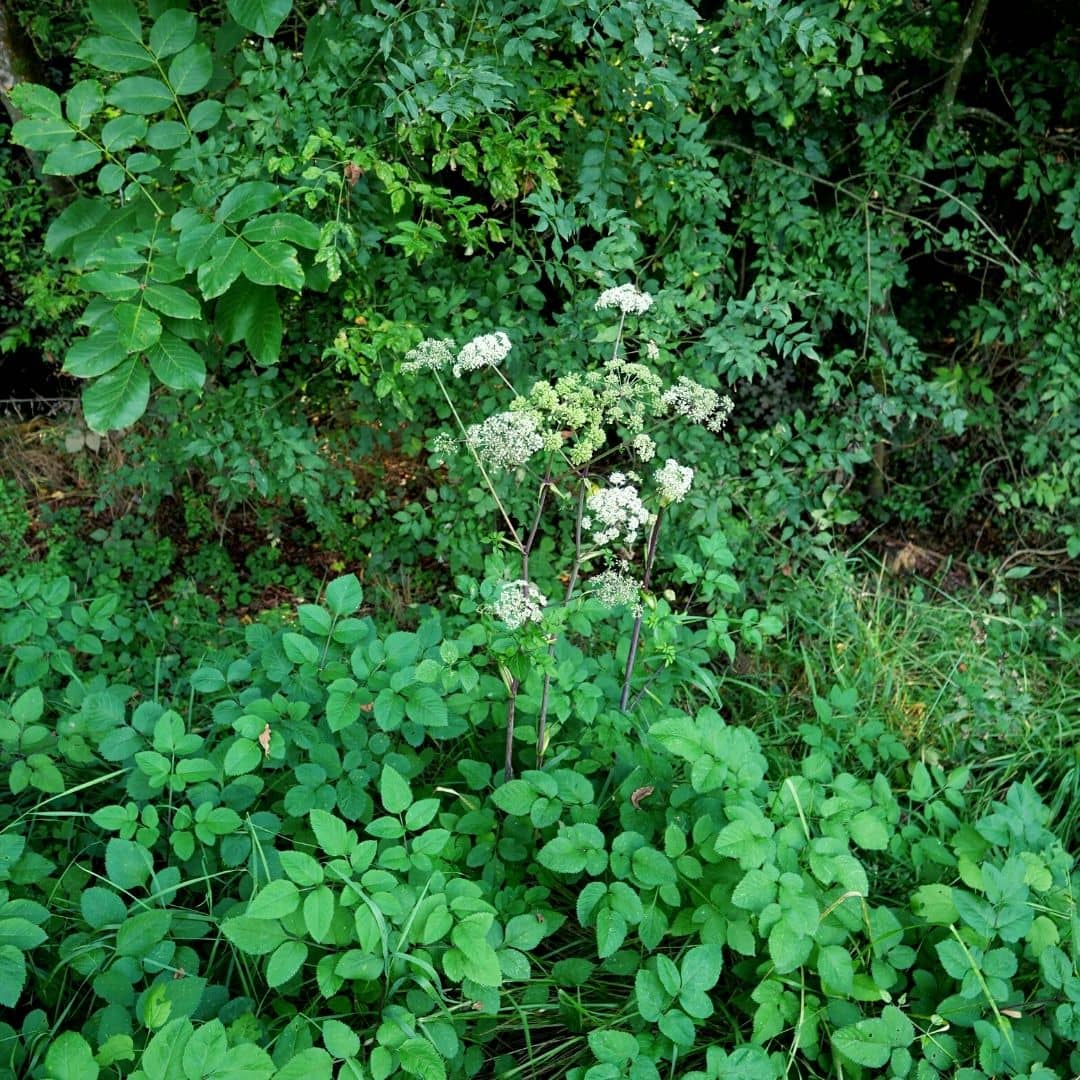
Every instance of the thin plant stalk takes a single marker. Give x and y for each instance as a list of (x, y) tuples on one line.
[(635, 636)]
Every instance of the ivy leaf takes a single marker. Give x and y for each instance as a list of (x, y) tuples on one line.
[(118, 398), (260, 16), (176, 364)]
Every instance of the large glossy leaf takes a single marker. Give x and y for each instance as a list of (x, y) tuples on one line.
[(175, 30), (112, 54), (191, 69), (119, 398), (171, 301), (73, 159), (176, 363), (250, 313), (222, 268), (118, 18), (141, 95), (260, 16), (290, 227), (247, 199), (139, 326), (274, 263)]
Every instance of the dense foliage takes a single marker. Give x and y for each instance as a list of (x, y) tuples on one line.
[(413, 662)]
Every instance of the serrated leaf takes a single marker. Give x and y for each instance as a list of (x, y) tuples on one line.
[(419, 1058), (176, 364), (118, 398), (274, 900), (140, 933), (243, 756), (514, 797), (171, 301), (869, 831), (285, 962), (12, 975), (256, 937), (191, 69), (319, 912), (788, 946), (69, 1057), (36, 100), (330, 832), (394, 791), (141, 95), (425, 706), (610, 932), (290, 227), (260, 16)]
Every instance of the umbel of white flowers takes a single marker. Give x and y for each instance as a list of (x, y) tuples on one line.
[(519, 602)]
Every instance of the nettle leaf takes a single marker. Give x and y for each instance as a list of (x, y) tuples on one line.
[(260, 16), (419, 1058), (206, 1049), (118, 398), (869, 831)]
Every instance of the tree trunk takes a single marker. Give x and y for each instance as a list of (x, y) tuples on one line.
[(18, 63)]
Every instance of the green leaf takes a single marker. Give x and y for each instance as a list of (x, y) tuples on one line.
[(206, 1049), (869, 831), (191, 69), (300, 649), (330, 832), (118, 398), (12, 975), (419, 1058), (700, 967), (274, 263), (523, 932), (166, 135), (652, 868), (114, 286), (286, 961), (274, 900), (836, 969), (171, 301), (205, 115), (83, 100), (319, 912), (173, 31), (314, 1063), (256, 937), (514, 797), (290, 227), (344, 595), (614, 1047), (69, 1058), (123, 132), (394, 791), (118, 18), (260, 16), (222, 268), (425, 706), (36, 100), (789, 947), (141, 933), (340, 1039), (28, 706), (141, 95), (244, 756), (112, 54), (572, 850), (138, 327), (176, 364), (41, 132), (248, 199), (71, 160), (251, 312), (102, 907), (611, 931)]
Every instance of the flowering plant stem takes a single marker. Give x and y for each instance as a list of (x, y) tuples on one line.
[(635, 636)]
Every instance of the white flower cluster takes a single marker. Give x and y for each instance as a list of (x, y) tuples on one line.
[(698, 403), (487, 350), (519, 602), (652, 350), (444, 444), (629, 299), (505, 440), (673, 480), (616, 589), (615, 513), (643, 446), (431, 354)]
